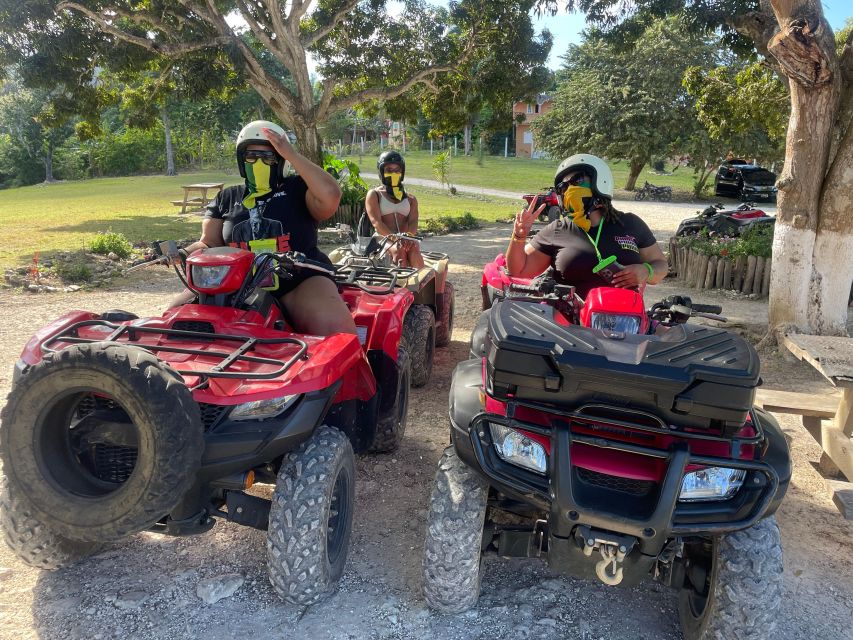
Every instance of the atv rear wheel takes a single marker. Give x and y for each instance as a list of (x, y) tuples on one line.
[(554, 213), (741, 585), (444, 323), (454, 536), (311, 518), (392, 417), (32, 541), (100, 441), (419, 339)]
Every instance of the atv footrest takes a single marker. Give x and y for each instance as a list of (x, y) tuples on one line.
[(247, 510)]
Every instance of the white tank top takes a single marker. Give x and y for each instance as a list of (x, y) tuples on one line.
[(386, 207)]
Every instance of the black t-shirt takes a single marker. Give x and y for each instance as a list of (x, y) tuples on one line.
[(281, 215), (573, 255)]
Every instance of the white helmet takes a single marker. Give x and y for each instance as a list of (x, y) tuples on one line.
[(600, 173), (253, 133)]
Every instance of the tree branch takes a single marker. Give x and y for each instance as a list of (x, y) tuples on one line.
[(105, 24), (312, 38), (255, 25), (385, 93), (803, 60), (297, 10)]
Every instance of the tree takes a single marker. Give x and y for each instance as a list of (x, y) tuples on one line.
[(742, 107), (363, 52), (32, 131), (625, 103), (812, 268)]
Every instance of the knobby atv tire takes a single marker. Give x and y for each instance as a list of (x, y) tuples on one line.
[(32, 541), (300, 566), (745, 587), (444, 323), (454, 536), (54, 485), (419, 339), (391, 424), (554, 213)]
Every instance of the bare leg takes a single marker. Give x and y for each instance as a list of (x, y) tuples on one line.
[(416, 260), (317, 308), (184, 297)]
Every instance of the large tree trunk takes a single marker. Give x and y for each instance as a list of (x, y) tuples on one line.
[(309, 143), (170, 151), (48, 164), (637, 165), (811, 245), (704, 173), (466, 136)]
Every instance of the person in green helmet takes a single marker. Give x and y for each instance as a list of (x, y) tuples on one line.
[(593, 244), (275, 210)]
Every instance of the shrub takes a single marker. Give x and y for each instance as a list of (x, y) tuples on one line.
[(347, 173), (450, 224), (111, 242), (76, 271), (441, 167), (757, 241), (658, 165)]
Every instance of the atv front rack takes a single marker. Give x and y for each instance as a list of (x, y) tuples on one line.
[(380, 280), (123, 333)]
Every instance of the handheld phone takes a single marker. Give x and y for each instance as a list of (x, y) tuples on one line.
[(608, 268)]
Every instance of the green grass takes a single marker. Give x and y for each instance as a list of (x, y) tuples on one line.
[(522, 174), (67, 216)]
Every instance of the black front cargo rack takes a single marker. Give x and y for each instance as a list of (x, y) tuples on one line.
[(131, 334)]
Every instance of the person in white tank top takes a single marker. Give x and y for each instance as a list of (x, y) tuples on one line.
[(392, 210)]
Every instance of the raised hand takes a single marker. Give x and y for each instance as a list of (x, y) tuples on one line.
[(280, 143), (525, 218)]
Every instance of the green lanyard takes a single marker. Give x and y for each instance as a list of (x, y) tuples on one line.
[(597, 236)]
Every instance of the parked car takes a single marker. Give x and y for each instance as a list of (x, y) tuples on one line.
[(738, 179)]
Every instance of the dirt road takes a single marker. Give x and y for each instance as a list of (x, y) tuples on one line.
[(146, 587)]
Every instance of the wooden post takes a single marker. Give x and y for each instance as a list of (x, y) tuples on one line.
[(765, 281), (673, 255), (711, 273), (727, 274), (700, 273), (740, 265), (759, 274), (718, 278), (688, 267), (750, 275), (682, 258)]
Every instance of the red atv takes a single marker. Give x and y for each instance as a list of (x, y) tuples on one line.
[(116, 424), (617, 444), (549, 197), (717, 220)]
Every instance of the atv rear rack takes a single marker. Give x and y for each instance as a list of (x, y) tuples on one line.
[(71, 335), (386, 279)]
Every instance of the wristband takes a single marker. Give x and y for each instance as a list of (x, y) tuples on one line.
[(651, 270), (515, 238)]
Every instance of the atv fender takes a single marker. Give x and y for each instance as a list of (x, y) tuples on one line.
[(776, 455), (466, 388)]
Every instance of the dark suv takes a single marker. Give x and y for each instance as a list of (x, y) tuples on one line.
[(738, 179)]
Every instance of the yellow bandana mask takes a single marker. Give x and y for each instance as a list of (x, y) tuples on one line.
[(258, 178), (394, 185), (576, 202)]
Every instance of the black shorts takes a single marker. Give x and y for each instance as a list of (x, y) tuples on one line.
[(285, 286)]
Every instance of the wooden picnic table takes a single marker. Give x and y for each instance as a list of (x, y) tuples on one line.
[(200, 201), (832, 356)]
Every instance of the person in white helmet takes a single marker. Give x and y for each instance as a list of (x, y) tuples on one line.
[(593, 244), (277, 211)]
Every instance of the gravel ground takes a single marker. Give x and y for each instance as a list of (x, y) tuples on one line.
[(151, 586)]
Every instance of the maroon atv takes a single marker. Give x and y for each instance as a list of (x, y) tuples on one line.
[(117, 424), (615, 444)]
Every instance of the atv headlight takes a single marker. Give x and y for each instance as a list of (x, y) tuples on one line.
[(262, 409), (711, 483), (209, 277), (616, 322), (516, 448)]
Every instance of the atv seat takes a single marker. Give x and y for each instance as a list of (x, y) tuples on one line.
[(366, 239)]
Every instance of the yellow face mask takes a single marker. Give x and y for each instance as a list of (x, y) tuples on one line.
[(394, 185), (258, 177), (574, 200)]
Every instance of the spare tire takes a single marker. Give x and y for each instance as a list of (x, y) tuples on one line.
[(101, 440)]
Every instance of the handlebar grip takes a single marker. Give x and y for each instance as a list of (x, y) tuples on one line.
[(707, 308)]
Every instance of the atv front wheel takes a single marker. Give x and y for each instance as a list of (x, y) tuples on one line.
[(32, 541), (444, 323), (454, 536), (554, 213), (392, 415), (419, 339), (311, 518), (100, 441), (734, 586)]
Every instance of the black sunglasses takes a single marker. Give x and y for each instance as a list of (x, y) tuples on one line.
[(267, 157), (574, 180)]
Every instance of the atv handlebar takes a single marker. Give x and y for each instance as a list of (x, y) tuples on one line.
[(707, 308)]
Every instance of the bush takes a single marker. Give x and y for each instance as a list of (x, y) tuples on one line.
[(757, 241), (450, 224), (111, 242), (441, 167), (659, 165), (347, 173)]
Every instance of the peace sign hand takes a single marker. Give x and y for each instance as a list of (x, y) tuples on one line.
[(524, 219)]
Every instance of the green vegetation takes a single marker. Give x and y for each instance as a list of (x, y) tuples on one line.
[(70, 216), (449, 224), (111, 242), (523, 175), (757, 241)]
